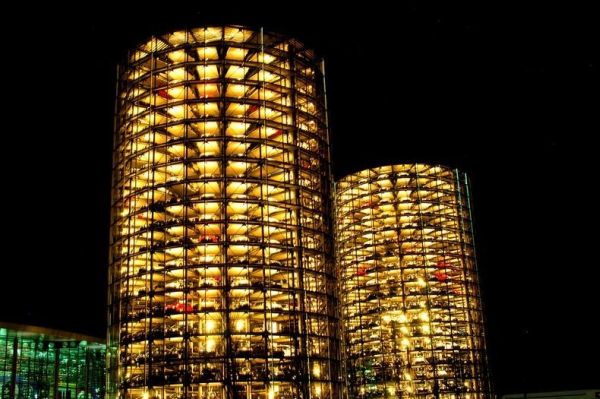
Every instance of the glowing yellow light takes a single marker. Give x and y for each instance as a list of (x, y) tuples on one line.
[(377, 217), (236, 90), (210, 325), (203, 202), (240, 325), (210, 345), (265, 58), (316, 370), (177, 74), (208, 53)]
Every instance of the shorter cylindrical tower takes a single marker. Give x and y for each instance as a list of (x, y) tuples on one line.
[(410, 298)]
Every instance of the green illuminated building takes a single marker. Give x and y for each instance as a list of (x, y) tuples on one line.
[(40, 363)]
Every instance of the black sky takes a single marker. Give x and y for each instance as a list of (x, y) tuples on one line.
[(504, 93)]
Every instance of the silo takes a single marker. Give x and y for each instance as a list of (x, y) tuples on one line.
[(411, 304), (222, 280)]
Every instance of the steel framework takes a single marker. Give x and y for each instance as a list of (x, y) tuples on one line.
[(411, 305), (42, 363), (222, 277)]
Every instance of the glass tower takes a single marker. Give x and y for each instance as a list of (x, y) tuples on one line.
[(411, 306), (222, 280)]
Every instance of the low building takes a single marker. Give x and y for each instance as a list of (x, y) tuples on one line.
[(41, 363)]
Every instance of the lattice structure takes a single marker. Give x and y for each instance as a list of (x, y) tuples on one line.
[(410, 299), (222, 276), (39, 363)]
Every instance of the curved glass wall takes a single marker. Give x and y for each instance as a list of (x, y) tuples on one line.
[(43, 363), (222, 276), (410, 299)]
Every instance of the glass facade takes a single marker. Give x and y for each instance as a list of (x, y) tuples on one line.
[(222, 281), (411, 306), (37, 363)]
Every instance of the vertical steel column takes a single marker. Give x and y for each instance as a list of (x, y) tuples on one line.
[(13, 375), (57, 346)]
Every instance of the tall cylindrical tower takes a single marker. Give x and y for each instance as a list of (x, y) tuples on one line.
[(411, 305), (222, 275)]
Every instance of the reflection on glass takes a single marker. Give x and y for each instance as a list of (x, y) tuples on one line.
[(42, 363)]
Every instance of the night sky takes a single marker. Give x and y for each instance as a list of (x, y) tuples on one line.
[(503, 93)]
